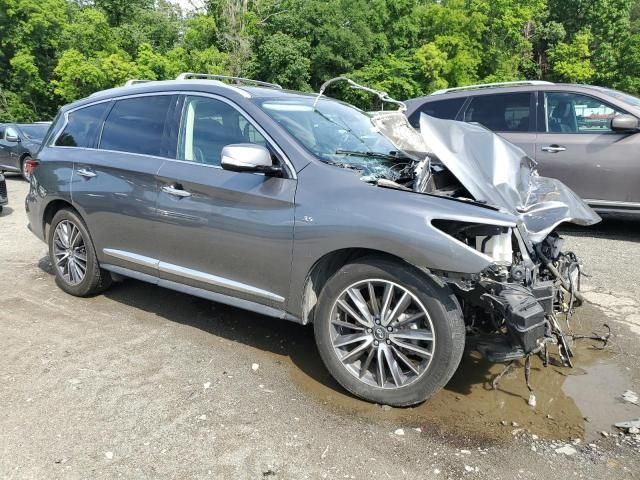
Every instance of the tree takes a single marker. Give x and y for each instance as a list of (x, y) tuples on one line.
[(571, 62), (284, 60)]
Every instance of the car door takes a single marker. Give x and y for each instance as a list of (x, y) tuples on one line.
[(4, 152), (218, 230), (575, 144), (510, 115), (115, 184), (9, 157)]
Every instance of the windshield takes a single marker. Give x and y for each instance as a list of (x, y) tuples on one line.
[(35, 132), (335, 133)]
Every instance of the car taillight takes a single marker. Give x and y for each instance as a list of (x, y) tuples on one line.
[(31, 165)]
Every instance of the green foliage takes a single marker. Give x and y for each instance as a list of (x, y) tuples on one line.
[(56, 51), (285, 60)]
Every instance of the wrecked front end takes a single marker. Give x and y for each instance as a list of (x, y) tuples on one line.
[(513, 307)]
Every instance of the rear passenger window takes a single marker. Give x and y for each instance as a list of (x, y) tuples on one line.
[(136, 125), (506, 112), (446, 109), (82, 126)]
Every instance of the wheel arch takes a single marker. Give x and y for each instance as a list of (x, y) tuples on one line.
[(50, 211), (327, 265)]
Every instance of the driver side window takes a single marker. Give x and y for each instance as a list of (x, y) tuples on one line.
[(208, 125), (575, 113)]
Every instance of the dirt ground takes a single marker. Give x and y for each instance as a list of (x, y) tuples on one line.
[(143, 382)]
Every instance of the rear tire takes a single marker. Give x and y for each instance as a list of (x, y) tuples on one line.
[(415, 330), (73, 256)]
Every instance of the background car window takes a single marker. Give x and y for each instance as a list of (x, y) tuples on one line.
[(575, 113), (446, 109), (2, 132), (208, 125), (136, 125), (82, 126), (35, 132), (505, 112)]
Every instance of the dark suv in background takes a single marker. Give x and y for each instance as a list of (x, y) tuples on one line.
[(19, 143), (585, 136)]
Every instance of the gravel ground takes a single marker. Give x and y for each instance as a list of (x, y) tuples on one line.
[(142, 382)]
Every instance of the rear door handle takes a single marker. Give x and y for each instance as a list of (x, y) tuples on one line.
[(85, 172), (175, 191), (554, 149)]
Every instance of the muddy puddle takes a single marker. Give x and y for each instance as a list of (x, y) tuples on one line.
[(571, 403)]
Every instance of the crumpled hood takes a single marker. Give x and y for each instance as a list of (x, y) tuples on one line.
[(501, 174)]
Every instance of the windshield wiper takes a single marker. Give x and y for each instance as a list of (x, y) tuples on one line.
[(368, 154)]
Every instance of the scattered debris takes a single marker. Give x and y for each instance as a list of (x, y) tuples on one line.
[(109, 455), (468, 468), (566, 450), (436, 471), (515, 424), (532, 400), (604, 434), (206, 385), (631, 397), (255, 367), (74, 381), (386, 408), (202, 417), (399, 432), (465, 452), (324, 454), (628, 424)]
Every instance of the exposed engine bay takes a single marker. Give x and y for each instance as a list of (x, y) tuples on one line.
[(514, 308)]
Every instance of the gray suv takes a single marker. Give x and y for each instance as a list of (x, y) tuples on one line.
[(304, 208), (586, 136)]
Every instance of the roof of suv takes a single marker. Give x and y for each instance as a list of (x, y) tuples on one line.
[(478, 90)]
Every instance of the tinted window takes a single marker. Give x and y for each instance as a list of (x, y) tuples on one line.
[(506, 112), (82, 126), (136, 125), (2, 127), (208, 125), (446, 109), (35, 132), (574, 113)]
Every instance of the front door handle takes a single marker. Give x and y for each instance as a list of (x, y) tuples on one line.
[(85, 172), (554, 149), (175, 191)]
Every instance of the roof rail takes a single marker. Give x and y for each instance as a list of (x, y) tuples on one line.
[(491, 85), (133, 81), (237, 80)]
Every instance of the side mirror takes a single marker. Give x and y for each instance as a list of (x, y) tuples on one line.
[(248, 157), (9, 137), (625, 123)]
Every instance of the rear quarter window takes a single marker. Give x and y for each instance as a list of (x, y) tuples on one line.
[(82, 126)]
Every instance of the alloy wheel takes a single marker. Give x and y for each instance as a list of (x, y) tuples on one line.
[(70, 252), (382, 334)]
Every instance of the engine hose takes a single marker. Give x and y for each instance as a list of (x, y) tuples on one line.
[(554, 271)]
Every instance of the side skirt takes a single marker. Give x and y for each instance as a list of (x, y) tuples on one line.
[(199, 292)]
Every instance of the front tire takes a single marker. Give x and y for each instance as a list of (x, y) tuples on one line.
[(73, 256), (387, 332)]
